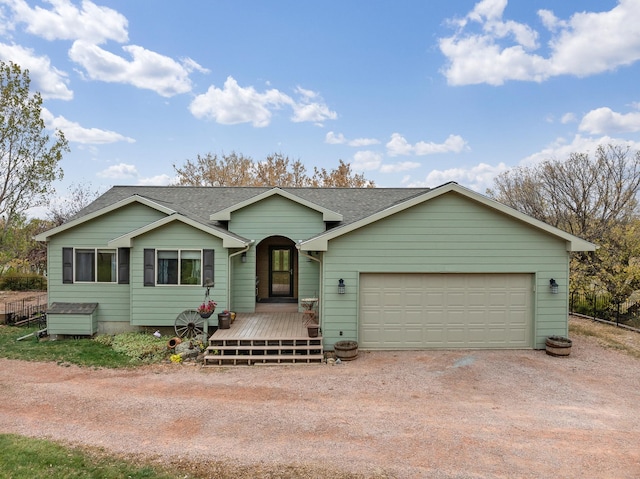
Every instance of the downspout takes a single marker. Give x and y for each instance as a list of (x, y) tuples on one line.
[(243, 250), (308, 256)]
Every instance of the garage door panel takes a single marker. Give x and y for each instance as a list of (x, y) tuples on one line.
[(417, 311)]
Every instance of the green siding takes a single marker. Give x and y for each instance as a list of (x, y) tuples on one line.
[(160, 305), (72, 324), (274, 216), (113, 299), (448, 234)]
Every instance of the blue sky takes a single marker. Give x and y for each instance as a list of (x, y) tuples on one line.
[(410, 93)]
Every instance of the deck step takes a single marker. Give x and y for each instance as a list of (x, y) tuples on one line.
[(259, 359)]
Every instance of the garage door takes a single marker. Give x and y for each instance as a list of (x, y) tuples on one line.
[(422, 311)]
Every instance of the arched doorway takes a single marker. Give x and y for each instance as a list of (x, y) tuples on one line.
[(277, 270)]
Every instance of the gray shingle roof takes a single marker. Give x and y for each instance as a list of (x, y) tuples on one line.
[(198, 203), (72, 308)]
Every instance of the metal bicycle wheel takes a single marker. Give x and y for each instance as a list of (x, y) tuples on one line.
[(189, 324)]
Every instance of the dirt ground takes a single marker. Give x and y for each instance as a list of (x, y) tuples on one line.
[(435, 414)]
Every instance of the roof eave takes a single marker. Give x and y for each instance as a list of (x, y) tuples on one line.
[(228, 241), (225, 215), (321, 242), (46, 235)]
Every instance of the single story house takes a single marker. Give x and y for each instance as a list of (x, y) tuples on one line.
[(392, 268)]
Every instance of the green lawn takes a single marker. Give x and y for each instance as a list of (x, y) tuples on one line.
[(121, 351), (26, 458)]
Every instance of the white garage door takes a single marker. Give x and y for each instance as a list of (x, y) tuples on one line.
[(422, 311)]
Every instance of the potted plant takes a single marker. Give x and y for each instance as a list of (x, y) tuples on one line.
[(313, 328), (207, 308)]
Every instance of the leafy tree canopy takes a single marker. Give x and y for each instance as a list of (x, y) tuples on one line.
[(29, 158)]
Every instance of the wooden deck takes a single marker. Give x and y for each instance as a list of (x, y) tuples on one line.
[(269, 337)]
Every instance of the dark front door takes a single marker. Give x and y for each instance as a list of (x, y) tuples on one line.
[(281, 271)]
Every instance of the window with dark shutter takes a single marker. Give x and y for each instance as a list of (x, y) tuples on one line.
[(149, 267), (67, 265), (123, 265), (207, 266)]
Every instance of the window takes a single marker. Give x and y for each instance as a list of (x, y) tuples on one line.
[(179, 267), (95, 265)]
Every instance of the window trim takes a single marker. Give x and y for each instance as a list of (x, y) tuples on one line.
[(95, 265), (179, 275)]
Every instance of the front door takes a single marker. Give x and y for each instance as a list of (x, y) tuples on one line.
[(281, 271)]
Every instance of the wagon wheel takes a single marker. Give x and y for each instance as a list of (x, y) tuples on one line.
[(189, 324)]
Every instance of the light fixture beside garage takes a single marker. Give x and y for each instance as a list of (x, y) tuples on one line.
[(341, 286), (554, 286)]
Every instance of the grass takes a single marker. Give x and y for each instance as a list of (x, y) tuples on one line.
[(26, 458), (130, 350), (606, 335)]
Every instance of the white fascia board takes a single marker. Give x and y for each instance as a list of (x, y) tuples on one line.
[(321, 242), (225, 215), (125, 240), (112, 207)]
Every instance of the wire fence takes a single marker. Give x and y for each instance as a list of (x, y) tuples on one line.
[(604, 306)]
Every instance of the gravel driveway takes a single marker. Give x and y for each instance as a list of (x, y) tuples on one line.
[(440, 414)]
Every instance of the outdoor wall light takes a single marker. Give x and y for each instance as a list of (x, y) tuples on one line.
[(243, 257), (554, 286), (341, 286)]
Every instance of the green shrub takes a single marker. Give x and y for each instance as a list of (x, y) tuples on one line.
[(140, 346), (23, 282)]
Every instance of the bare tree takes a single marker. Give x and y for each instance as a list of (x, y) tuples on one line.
[(595, 198), (583, 195), (65, 209), (275, 170)]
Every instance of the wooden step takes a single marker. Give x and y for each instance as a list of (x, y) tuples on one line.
[(245, 359)]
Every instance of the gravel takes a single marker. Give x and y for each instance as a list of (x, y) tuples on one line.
[(435, 414)]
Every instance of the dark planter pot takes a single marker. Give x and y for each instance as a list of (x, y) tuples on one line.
[(205, 315), (313, 331), (224, 321), (558, 346), (346, 350)]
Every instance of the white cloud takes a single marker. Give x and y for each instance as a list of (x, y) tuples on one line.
[(333, 139), (585, 44), (453, 143), (604, 120), (339, 139), (311, 108), (147, 69), (561, 148), (45, 78), (398, 145), (119, 172), (158, 180), (366, 160), (234, 104), (65, 21), (478, 178), (568, 118), (398, 167), (78, 134)]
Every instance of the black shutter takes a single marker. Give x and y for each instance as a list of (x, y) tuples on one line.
[(123, 265), (207, 267), (67, 265), (149, 267)]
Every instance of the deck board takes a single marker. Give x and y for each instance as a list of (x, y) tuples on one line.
[(264, 338), (264, 326)]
